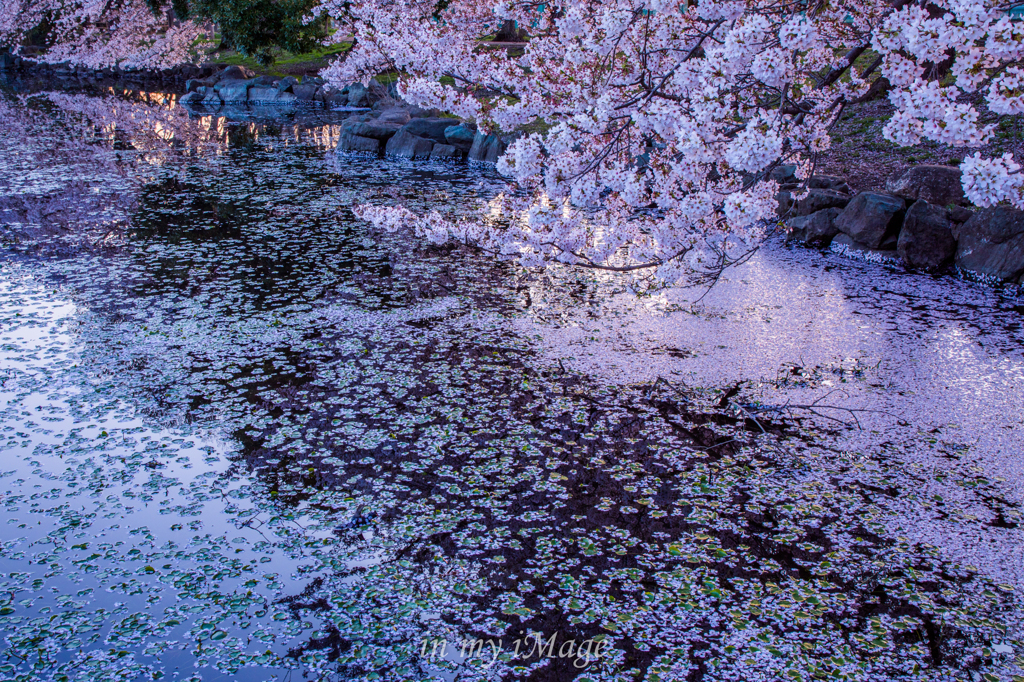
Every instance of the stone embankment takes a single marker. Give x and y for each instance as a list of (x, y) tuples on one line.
[(922, 219), (380, 124)]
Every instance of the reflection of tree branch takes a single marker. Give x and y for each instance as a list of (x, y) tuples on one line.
[(814, 408)]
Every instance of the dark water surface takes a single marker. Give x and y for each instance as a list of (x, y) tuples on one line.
[(243, 436)]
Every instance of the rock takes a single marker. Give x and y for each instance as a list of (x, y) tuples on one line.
[(187, 71), (210, 97), (817, 229), (233, 91), (445, 151), (430, 128), (938, 185), (926, 241), (305, 92), (816, 200), (191, 98), (262, 94), (8, 61), (264, 81), (420, 112), (460, 136), (845, 245), (486, 148), (394, 115), (195, 83), (374, 129), (287, 83), (356, 143), (872, 219), (235, 73), (335, 98), (959, 214), (784, 174), (377, 91), (358, 95), (407, 145), (828, 182), (991, 244)]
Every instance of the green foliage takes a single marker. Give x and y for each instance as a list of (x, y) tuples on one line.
[(254, 28), (286, 63)]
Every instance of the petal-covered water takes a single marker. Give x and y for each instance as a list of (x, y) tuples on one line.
[(244, 436)]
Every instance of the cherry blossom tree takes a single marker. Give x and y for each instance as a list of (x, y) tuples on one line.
[(650, 128), (101, 33)]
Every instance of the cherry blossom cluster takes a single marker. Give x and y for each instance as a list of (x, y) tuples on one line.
[(91, 34), (648, 130)]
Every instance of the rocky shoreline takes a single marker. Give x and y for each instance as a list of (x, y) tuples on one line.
[(380, 124), (922, 220)]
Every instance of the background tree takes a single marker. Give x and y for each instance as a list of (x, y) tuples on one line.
[(156, 33), (257, 27)]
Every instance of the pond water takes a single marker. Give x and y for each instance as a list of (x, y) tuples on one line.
[(244, 436)]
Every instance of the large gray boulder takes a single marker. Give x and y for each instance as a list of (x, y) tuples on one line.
[(191, 98), (420, 112), (926, 239), (872, 219), (460, 136), (445, 152), (395, 115), (237, 73), (991, 244), (409, 146), (210, 97), (233, 90), (358, 95), (194, 84), (960, 214), (487, 148), (262, 94), (938, 185), (378, 92), (374, 129), (265, 95), (430, 128), (784, 174), (816, 200), (356, 143), (816, 229), (304, 92), (832, 182)]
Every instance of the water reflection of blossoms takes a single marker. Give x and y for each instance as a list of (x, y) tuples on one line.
[(79, 161)]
